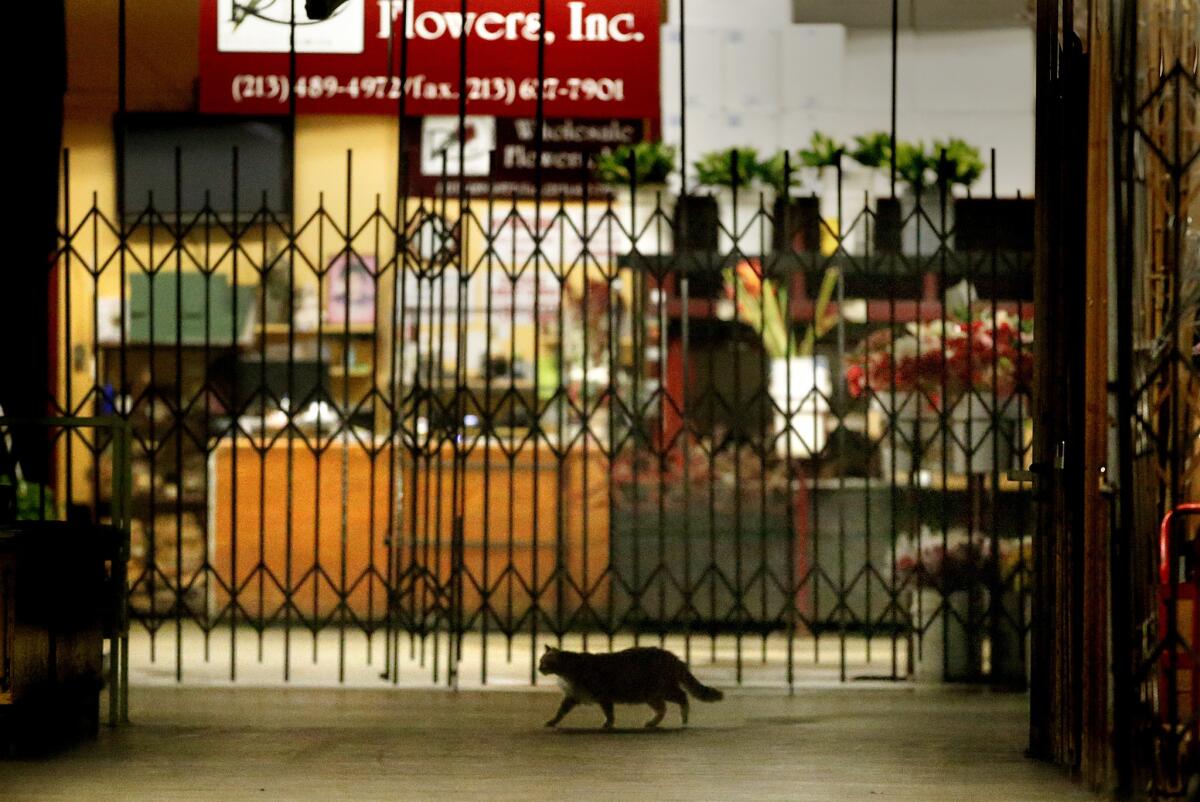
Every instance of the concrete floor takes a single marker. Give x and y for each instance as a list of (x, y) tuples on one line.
[(848, 743), (244, 657)]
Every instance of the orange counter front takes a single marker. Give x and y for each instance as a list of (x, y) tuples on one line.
[(344, 512)]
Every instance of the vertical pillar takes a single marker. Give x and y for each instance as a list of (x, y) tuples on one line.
[(27, 377)]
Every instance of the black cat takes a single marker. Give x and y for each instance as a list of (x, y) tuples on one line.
[(643, 675)]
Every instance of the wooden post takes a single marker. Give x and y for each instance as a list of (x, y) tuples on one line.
[(1095, 742)]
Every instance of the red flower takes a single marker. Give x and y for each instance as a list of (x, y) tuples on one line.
[(856, 379)]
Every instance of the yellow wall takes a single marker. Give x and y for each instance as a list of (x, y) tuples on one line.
[(162, 72)]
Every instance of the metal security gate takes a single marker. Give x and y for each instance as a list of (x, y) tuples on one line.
[(1156, 113), (779, 423)]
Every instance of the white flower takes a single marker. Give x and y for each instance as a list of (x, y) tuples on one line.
[(904, 348), (960, 297)]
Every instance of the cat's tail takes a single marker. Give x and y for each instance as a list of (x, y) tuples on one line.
[(698, 689)]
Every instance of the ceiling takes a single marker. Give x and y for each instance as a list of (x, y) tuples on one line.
[(927, 15)]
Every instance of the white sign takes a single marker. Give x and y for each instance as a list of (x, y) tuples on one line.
[(440, 146), (264, 26)]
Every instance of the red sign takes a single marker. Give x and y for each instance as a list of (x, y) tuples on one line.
[(601, 57)]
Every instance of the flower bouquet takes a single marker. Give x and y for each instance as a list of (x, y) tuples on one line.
[(762, 304), (947, 564), (798, 382), (973, 348), (945, 574), (967, 364)]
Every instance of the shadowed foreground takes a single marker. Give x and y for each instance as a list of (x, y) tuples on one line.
[(848, 743)]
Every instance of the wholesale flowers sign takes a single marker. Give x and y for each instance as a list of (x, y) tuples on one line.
[(601, 58)]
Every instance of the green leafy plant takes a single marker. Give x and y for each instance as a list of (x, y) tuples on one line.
[(915, 165), (716, 169), (653, 163), (35, 502), (775, 172), (822, 151), (873, 150), (957, 162)]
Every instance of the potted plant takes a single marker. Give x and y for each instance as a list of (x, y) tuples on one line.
[(796, 219), (918, 201), (735, 176), (874, 152), (822, 158), (957, 163), (958, 166), (642, 170), (932, 177)]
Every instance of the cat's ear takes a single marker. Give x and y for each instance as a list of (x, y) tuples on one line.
[(550, 649)]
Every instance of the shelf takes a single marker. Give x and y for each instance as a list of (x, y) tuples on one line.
[(327, 330), (359, 372)]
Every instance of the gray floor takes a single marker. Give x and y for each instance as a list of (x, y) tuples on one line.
[(848, 743)]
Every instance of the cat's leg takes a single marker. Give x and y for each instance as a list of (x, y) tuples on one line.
[(677, 696), (568, 704), (607, 707), (660, 710)]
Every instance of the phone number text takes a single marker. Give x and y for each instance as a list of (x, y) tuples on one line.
[(419, 87)]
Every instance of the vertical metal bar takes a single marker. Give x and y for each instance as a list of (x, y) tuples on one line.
[(996, 614), (944, 411), (346, 420), (584, 614), (739, 595), (661, 445), (121, 396), (842, 595), (119, 498), (318, 449), (122, 231), (685, 348), (765, 571), (68, 405), (562, 451), (538, 256), (637, 337), (895, 63), (890, 414), (492, 412), (375, 449), (152, 391), (615, 329), (261, 446), (793, 473), (460, 372), (401, 574), (443, 583), (209, 504), (292, 401), (1124, 119), (510, 584), (235, 248), (178, 415)]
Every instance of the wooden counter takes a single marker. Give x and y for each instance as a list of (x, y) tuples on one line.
[(341, 548), (522, 518)]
